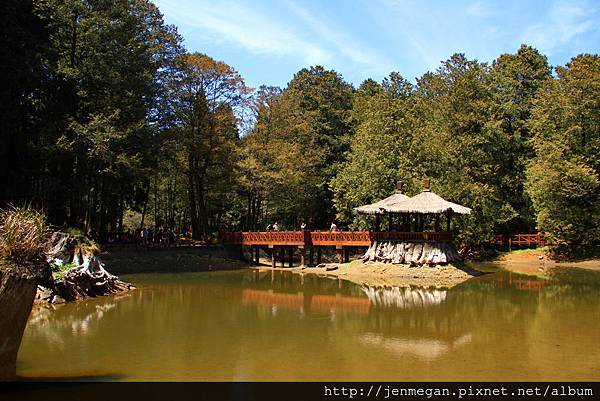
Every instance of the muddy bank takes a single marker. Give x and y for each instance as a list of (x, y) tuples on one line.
[(385, 274), (180, 259), (537, 262)]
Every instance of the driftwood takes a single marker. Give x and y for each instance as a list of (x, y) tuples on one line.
[(87, 277), (411, 253)]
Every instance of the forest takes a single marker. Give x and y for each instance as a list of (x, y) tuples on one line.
[(108, 124)]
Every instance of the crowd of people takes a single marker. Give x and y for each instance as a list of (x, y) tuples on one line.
[(145, 237), (303, 227)]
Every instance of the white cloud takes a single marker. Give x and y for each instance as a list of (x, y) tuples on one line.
[(238, 25), (566, 22), (343, 42), (478, 9)]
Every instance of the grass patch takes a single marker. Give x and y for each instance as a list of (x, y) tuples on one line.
[(23, 235), (526, 250)]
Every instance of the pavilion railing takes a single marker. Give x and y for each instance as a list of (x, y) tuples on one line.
[(411, 236)]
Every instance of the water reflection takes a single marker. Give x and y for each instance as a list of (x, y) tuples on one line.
[(271, 325), (408, 297), (424, 348)]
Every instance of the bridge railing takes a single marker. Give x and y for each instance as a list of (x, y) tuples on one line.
[(520, 239), (294, 238), (327, 238), (348, 238)]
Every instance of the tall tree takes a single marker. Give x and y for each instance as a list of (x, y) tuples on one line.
[(323, 100), (206, 96), (104, 70), (563, 179), (515, 79), (380, 149)]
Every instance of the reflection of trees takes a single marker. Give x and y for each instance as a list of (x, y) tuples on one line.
[(275, 325), (52, 323)]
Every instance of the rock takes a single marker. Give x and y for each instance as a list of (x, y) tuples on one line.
[(43, 294), (57, 299), (331, 268)]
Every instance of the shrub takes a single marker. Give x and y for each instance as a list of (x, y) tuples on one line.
[(23, 235)]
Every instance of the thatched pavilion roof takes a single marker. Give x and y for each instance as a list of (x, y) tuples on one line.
[(380, 206), (427, 202)]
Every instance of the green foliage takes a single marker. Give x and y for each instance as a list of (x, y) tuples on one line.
[(563, 179), (108, 124)]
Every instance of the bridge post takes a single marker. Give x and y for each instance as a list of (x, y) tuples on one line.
[(319, 255), (291, 256), (273, 253), (346, 254), (311, 254), (282, 255), (256, 255), (302, 250), (339, 253)]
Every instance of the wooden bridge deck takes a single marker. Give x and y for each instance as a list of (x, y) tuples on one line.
[(327, 238)]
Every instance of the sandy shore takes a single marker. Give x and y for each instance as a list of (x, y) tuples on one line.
[(535, 262), (385, 274)]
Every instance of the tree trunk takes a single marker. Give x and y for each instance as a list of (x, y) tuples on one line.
[(145, 204), (17, 293), (192, 199)]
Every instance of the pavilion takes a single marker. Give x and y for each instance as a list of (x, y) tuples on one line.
[(428, 203), (412, 244)]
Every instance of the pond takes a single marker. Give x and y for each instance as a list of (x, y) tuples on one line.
[(247, 325)]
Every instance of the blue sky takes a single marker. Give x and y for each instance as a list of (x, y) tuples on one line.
[(268, 41)]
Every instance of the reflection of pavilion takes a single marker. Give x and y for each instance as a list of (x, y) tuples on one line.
[(408, 297), (425, 348)]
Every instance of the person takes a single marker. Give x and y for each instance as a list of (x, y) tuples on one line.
[(276, 227), (269, 227), (303, 226), (333, 227)]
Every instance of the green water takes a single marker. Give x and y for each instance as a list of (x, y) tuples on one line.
[(246, 325)]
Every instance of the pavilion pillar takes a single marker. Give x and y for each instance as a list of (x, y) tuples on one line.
[(437, 223), (377, 223), (390, 223), (448, 218)]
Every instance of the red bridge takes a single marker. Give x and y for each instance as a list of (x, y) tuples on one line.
[(520, 239), (327, 238), (280, 241)]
